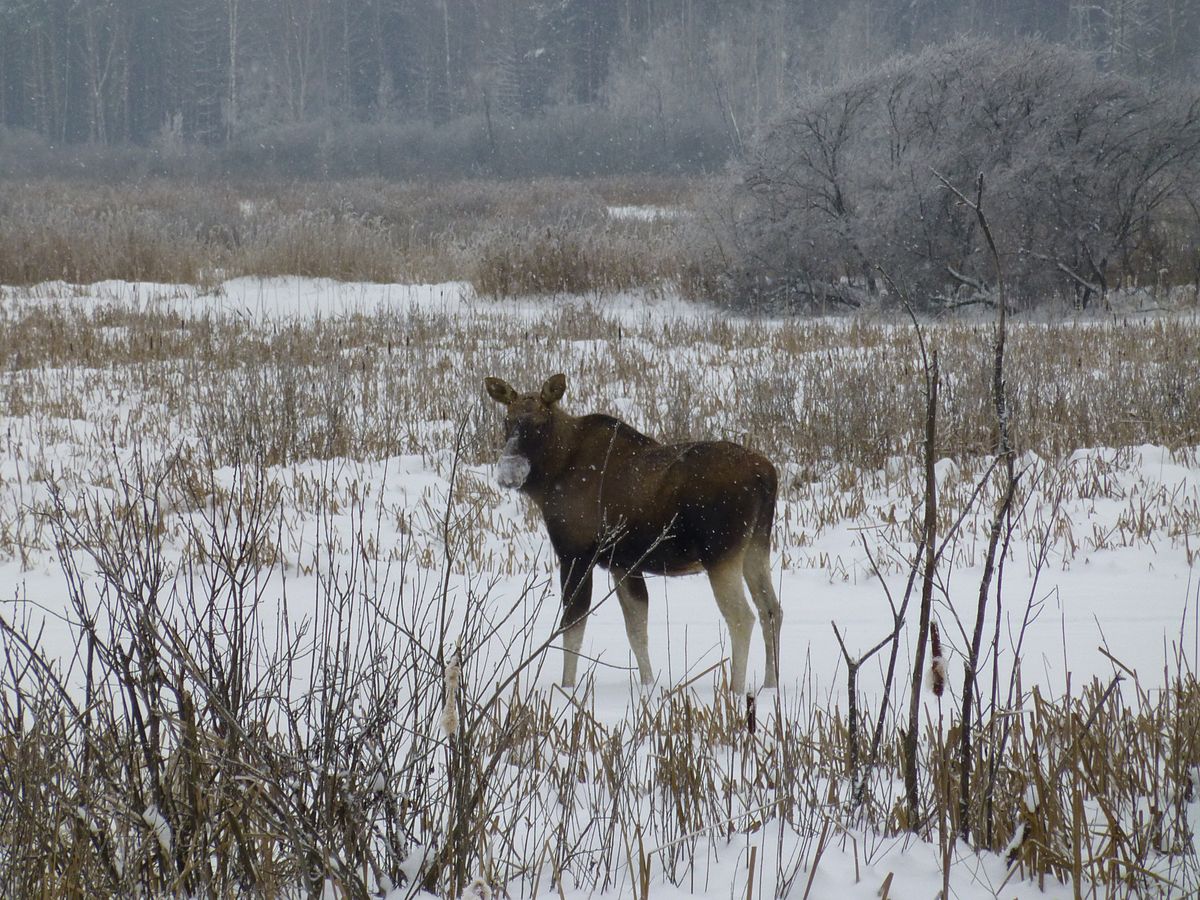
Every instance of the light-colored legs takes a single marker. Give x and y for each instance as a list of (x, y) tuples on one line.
[(726, 580), (729, 579), (756, 566), (572, 641), (635, 604)]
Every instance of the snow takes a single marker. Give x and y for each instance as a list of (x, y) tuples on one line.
[(158, 825), (1129, 601), (259, 300), (643, 213)]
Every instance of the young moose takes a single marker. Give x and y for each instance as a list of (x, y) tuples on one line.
[(611, 496)]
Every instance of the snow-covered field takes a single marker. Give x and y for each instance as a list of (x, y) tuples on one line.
[(378, 450)]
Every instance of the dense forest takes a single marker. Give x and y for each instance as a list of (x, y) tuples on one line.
[(635, 83)]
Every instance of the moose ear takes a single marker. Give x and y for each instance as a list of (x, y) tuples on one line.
[(500, 390), (554, 388)]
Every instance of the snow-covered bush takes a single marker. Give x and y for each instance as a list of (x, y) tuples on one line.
[(1088, 180)]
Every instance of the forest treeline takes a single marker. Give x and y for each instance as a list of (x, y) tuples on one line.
[(404, 87)]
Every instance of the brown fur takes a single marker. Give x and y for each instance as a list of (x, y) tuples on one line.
[(612, 496)]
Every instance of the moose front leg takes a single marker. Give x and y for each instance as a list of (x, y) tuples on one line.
[(576, 578)]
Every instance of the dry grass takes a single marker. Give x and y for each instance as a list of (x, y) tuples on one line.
[(549, 235), (232, 433), (836, 403), (819, 393)]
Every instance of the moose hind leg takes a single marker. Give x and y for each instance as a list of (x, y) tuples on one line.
[(635, 605), (576, 580), (729, 589), (757, 568)]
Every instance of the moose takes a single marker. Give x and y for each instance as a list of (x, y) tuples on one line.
[(611, 496)]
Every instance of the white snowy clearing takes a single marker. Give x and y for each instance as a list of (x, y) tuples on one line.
[(420, 546)]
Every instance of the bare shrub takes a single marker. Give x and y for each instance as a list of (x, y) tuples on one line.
[(1085, 171)]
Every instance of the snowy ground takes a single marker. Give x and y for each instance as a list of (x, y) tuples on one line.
[(1136, 599)]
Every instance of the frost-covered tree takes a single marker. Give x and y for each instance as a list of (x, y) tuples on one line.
[(1089, 179)]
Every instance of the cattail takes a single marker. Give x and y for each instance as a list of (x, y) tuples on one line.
[(937, 662), (450, 696)]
